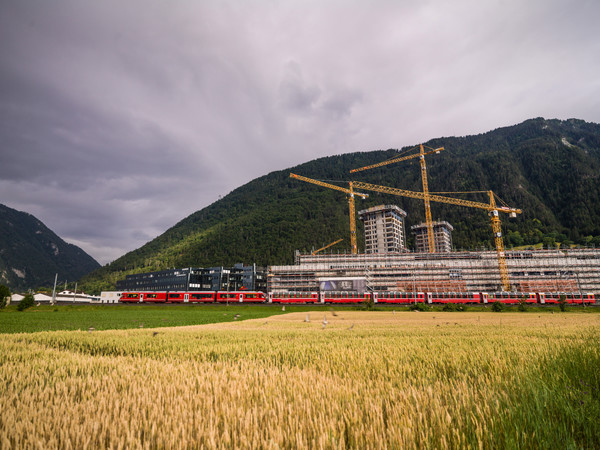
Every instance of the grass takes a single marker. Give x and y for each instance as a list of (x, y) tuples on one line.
[(107, 317), (366, 379), (104, 317)]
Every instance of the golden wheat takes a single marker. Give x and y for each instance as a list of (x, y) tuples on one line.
[(368, 380)]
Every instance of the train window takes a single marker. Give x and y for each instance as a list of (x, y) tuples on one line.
[(174, 295), (150, 295)]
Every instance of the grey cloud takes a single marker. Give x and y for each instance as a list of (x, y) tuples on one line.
[(296, 94), (118, 119)]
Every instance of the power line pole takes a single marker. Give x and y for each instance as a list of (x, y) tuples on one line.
[(54, 290)]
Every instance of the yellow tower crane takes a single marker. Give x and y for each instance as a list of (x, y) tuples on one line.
[(492, 209), (326, 246), (350, 193), (426, 197)]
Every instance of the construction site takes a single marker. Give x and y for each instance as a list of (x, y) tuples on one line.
[(387, 265), (574, 270)]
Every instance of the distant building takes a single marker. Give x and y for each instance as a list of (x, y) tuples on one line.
[(73, 297), (110, 296), (442, 237), (198, 279), (42, 298), (384, 229)]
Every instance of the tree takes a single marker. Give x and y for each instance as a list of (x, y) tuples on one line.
[(562, 302), (522, 302), (27, 302), (4, 295)]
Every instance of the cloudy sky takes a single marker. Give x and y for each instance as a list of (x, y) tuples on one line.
[(120, 118)]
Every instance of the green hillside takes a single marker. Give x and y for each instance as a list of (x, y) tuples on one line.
[(548, 168), (31, 254)]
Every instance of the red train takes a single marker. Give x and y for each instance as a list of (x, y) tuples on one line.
[(429, 297), (387, 297), (194, 297)]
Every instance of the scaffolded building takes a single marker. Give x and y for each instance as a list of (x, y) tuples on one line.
[(576, 270), (442, 237), (384, 229)]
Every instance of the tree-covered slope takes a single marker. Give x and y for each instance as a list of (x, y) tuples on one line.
[(548, 168), (31, 254)]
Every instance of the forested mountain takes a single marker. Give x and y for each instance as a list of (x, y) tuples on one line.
[(548, 168), (31, 254)]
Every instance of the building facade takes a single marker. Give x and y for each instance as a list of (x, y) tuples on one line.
[(442, 237), (384, 229), (198, 279)]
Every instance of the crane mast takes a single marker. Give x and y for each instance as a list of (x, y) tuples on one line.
[(421, 156), (351, 207), (428, 220), (496, 227)]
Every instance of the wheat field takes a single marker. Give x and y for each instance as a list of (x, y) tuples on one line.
[(360, 380)]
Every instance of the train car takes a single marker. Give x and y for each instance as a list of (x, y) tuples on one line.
[(294, 297), (177, 297), (511, 297), (398, 297), (191, 297), (240, 297), (153, 297), (201, 297), (344, 297), (143, 297), (456, 297), (130, 297), (574, 298)]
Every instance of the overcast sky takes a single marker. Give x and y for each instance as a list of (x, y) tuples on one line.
[(120, 118)]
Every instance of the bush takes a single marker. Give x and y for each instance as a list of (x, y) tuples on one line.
[(4, 295), (454, 307), (420, 307), (522, 303), (368, 304), (497, 306), (27, 302)]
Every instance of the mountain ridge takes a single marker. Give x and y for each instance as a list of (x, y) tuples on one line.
[(548, 168), (31, 254)]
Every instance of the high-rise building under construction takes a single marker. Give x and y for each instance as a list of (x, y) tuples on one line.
[(384, 229), (442, 237)]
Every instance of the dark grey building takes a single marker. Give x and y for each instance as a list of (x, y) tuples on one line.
[(234, 278)]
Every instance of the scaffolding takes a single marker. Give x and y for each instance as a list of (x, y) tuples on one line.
[(573, 270)]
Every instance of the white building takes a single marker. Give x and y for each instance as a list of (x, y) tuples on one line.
[(110, 296), (73, 297), (42, 298)]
